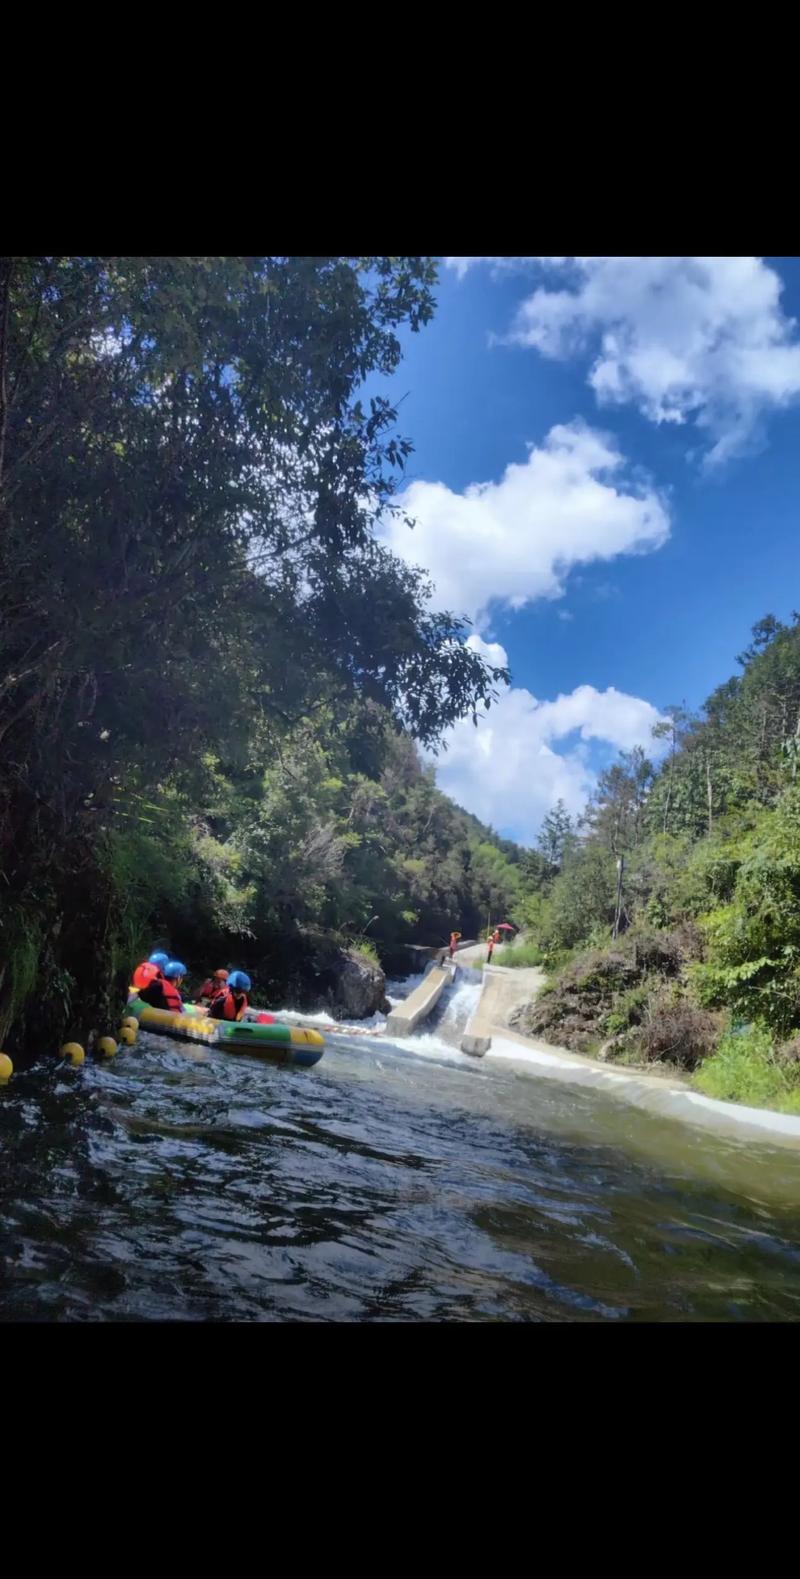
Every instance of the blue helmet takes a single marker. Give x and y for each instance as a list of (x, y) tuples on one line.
[(158, 959), (240, 980), (174, 968)]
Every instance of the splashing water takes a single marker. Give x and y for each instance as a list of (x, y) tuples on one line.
[(456, 1005)]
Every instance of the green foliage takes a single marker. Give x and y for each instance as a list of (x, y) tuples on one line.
[(753, 963), (21, 943), (711, 842), (556, 836), (365, 949), (629, 1008), (190, 481), (712, 853), (615, 815), (521, 956), (582, 896), (747, 1068)]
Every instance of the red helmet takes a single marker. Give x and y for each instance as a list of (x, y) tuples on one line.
[(220, 975)]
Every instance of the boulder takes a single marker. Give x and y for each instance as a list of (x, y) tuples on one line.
[(360, 988)]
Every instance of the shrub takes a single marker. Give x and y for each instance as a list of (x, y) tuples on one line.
[(654, 951), (521, 955), (365, 949), (674, 1030), (621, 991), (754, 940), (629, 1007), (746, 1067), (582, 898), (789, 1052)]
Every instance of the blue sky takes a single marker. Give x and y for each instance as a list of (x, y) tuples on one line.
[(649, 410)]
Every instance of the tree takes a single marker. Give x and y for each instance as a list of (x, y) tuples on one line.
[(582, 896), (189, 484), (754, 940), (615, 815), (556, 835)]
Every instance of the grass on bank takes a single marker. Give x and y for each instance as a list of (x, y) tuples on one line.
[(656, 1021), (519, 956), (365, 949), (747, 1067)]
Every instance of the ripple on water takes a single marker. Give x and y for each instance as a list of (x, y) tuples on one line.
[(385, 1185)]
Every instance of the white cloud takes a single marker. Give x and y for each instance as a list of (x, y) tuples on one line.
[(508, 264), (683, 338), (507, 771), (517, 539), (492, 651), (611, 715)]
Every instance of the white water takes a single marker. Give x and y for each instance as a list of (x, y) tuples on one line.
[(396, 991), (455, 1006), (447, 1022)]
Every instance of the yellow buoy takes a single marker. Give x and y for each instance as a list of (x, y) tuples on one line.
[(127, 1035), (6, 1067), (74, 1052), (106, 1045), (131, 1021)]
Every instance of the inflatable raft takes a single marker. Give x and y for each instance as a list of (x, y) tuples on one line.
[(282, 1044)]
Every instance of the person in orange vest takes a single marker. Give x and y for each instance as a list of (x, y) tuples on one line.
[(231, 1004), (216, 983), (162, 992), (497, 936), (149, 970), (454, 937), (490, 942)]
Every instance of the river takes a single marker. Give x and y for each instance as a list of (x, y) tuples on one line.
[(395, 1181)]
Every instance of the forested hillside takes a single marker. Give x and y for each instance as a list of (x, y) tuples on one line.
[(214, 679), (707, 958), (211, 671)]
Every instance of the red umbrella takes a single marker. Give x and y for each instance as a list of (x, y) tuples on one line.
[(503, 926)]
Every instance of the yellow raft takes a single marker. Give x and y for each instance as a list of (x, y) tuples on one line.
[(283, 1044)]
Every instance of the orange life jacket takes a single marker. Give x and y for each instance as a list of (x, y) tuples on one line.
[(162, 994), (228, 1005), (211, 989), (172, 996)]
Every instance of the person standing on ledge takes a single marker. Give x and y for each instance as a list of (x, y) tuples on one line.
[(454, 937)]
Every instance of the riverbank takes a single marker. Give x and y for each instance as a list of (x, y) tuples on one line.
[(667, 1096), (661, 1091)]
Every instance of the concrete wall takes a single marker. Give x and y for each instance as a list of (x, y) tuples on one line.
[(408, 1015), (657, 1093), (421, 953), (503, 990), (477, 1038)]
